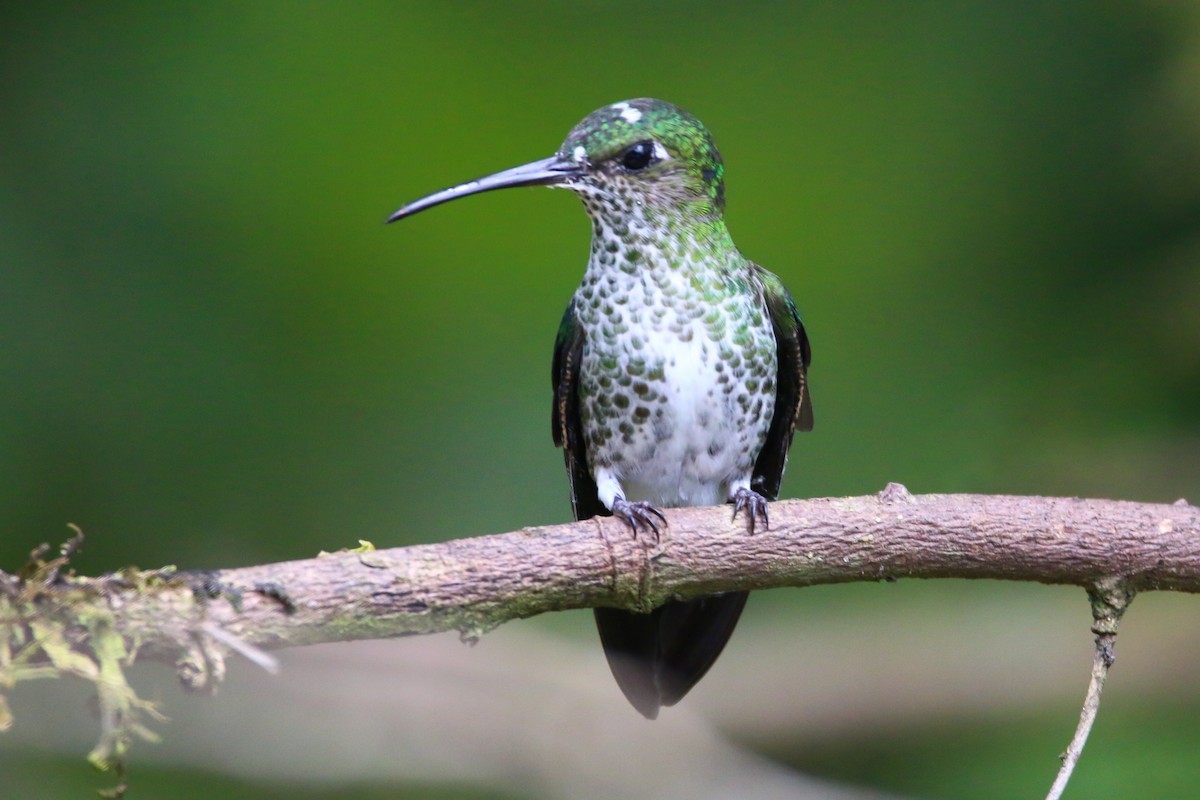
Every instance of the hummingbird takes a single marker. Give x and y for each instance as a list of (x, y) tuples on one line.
[(680, 366)]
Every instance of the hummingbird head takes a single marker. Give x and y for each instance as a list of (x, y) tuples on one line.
[(649, 152), (642, 152)]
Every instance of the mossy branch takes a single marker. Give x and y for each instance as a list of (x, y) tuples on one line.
[(52, 622)]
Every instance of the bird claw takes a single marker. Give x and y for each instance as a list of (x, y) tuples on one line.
[(755, 505), (633, 514)]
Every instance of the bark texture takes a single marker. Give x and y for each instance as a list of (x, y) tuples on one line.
[(472, 585)]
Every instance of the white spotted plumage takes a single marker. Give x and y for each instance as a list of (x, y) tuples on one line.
[(663, 381)]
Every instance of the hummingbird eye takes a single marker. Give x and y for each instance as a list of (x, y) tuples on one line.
[(638, 157)]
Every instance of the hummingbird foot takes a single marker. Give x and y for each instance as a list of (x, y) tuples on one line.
[(754, 504), (639, 513)]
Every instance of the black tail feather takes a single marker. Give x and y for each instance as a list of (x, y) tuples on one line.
[(658, 657)]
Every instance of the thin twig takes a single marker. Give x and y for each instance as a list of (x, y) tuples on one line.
[(1109, 601), (255, 655)]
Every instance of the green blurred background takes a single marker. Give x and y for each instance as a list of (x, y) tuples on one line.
[(214, 354)]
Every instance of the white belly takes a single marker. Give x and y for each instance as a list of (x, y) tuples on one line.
[(692, 439)]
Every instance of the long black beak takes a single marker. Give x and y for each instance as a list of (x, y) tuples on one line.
[(547, 172)]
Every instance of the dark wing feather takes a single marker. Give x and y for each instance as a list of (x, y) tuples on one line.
[(658, 657), (793, 404), (564, 418)]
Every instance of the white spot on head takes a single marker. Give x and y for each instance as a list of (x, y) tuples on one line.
[(579, 154), (660, 152), (628, 112)]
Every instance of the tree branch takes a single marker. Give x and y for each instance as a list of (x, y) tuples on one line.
[(473, 585), (54, 624)]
